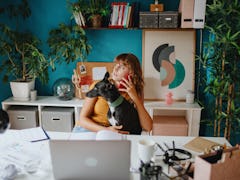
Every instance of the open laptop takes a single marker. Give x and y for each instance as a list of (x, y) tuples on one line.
[(90, 159)]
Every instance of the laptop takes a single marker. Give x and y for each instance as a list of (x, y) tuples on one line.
[(90, 159)]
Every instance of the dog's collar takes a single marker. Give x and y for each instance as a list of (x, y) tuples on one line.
[(117, 102)]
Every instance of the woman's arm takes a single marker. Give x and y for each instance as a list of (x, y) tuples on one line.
[(85, 117), (145, 119)]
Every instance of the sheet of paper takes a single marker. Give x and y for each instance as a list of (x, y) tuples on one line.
[(100, 135), (98, 73), (33, 134), (83, 136)]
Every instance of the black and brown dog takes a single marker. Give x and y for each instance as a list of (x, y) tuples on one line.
[(121, 111)]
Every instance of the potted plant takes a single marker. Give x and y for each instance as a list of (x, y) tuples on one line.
[(68, 43), (94, 10), (22, 59), (221, 62)]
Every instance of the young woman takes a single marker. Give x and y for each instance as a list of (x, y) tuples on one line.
[(127, 75)]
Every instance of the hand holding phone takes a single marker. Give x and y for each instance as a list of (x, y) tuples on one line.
[(121, 85)]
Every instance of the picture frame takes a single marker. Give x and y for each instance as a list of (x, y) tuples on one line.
[(168, 63)]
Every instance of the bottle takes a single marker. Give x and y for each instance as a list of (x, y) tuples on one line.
[(169, 99), (190, 97)]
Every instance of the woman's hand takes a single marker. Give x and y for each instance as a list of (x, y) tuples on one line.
[(129, 88), (117, 129)]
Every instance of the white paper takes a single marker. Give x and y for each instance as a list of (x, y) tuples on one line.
[(32, 134), (100, 135), (98, 73)]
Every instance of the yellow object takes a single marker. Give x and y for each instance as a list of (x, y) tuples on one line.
[(101, 109), (156, 7)]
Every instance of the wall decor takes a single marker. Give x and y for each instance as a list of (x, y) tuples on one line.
[(168, 63)]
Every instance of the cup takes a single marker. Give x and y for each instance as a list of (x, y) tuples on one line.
[(33, 95), (146, 149)]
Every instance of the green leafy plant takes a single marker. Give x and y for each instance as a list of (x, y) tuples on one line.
[(20, 50), (67, 44), (221, 61), (98, 7), (91, 9)]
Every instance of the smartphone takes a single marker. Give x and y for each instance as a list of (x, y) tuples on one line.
[(126, 77)]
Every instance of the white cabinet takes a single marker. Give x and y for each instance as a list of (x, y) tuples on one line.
[(46, 101), (191, 112)]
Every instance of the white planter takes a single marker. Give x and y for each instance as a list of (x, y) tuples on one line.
[(21, 90)]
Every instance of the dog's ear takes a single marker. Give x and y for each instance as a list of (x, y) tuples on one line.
[(106, 76)]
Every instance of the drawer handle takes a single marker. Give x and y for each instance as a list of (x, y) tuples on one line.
[(21, 118), (55, 119), (168, 19)]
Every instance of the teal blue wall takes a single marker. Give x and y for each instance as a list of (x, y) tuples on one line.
[(47, 14)]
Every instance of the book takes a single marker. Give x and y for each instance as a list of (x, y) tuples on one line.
[(119, 15), (114, 14), (200, 145), (100, 135)]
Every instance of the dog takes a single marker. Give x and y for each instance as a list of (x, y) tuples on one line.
[(4, 121), (121, 111)]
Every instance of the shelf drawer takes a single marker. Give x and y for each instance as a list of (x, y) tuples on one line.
[(170, 126), (57, 119), (22, 117)]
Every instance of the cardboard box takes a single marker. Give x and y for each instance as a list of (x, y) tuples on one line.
[(227, 168), (148, 19), (22, 117), (170, 126), (57, 119), (168, 19)]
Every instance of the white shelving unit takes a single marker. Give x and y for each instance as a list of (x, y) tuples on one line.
[(46, 101), (192, 112)]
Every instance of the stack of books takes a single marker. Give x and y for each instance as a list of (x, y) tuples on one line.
[(79, 18), (122, 15)]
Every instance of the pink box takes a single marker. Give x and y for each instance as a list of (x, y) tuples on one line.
[(170, 126)]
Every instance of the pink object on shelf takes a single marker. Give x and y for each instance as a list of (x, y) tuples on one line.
[(169, 99)]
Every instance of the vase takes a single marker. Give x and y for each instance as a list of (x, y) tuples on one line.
[(96, 21)]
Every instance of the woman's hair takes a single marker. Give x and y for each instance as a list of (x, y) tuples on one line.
[(132, 62)]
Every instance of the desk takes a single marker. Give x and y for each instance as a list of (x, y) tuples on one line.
[(42, 148)]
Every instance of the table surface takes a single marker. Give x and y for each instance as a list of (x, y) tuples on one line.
[(41, 149)]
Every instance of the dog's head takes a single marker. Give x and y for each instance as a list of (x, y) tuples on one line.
[(104, 88)]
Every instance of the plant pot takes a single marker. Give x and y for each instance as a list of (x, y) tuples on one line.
[(21, 90), (96, 20)]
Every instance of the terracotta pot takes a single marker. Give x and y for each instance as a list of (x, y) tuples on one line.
[(96, 20)]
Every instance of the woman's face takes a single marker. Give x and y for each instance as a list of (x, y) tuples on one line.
[(119, 71)]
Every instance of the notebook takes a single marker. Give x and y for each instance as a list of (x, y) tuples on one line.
[(90, 159)]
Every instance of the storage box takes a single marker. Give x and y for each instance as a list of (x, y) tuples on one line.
[(148, 19), (168, 19), (22, 117), (227, 168), (170, 126), (57, 119)]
